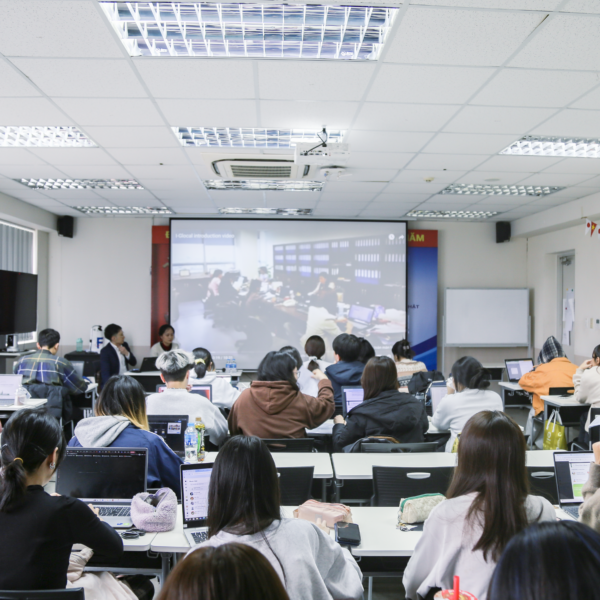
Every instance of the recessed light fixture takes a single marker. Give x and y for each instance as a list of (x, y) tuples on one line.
[(292, 31), (81, 184), (554, 146), (124, 210), (250, 137), (276, 185), (452, 214), (44, 137), (500, 190), (266, 211)]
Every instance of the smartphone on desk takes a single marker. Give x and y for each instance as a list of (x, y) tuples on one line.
[(347, 534)]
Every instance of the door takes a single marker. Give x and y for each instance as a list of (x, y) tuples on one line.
[(567, 308)]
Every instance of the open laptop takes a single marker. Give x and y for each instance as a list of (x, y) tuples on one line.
[(148, 364), (352, 395), (202, 390), (171, 428), (517, 367), (437, 390), (108, 478), (195, 479), (361, 316), (79, 366), (571, 470), (9, 384)]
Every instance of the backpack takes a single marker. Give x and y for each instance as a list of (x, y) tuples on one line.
[(422, 380)]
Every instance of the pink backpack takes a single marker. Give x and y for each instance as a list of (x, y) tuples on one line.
[(312, 510)]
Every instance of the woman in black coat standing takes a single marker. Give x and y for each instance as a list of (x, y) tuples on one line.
[(384, 411)]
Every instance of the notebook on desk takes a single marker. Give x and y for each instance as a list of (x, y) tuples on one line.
[(108, 478), (195, 481), (571, 470)]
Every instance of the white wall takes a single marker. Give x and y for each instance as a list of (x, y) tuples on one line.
[(102, 276)]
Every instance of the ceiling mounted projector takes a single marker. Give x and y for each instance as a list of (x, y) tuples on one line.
[(307, 154)]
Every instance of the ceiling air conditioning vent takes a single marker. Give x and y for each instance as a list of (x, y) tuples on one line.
[(257, 168)]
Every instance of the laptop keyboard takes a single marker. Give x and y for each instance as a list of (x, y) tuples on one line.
[(573, 511), (199, 536), (114, 511)]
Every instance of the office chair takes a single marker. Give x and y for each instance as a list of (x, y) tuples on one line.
[(291, 445), (412, 447), (72, 594), (542, 482), (295, 484)]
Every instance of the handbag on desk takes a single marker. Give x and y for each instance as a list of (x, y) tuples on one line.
[(155, 512)]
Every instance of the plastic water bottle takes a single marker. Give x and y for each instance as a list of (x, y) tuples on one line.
[(78, 345), (233, 364), (22, 396), (200, 431), (191, 444)]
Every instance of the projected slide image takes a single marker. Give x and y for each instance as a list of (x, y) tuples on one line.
[(243, 288)]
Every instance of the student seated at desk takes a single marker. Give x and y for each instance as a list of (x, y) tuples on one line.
[(553, 561), (47, 375), (587, 390), (166, 334), (347, 369), (403, 355), (231, 571), (174, 369), (273, 407), (488, 503), (315, 349), (243, 506), (121, 422), (37, 530), (116, 357), (467, 395), (384, 410), (203, 373)]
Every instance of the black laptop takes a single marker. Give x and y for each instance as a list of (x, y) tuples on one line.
[(171, 428)]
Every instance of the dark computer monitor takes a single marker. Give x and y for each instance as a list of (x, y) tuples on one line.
[(148, 364), (79, 366), (18, 302), (171, 428)]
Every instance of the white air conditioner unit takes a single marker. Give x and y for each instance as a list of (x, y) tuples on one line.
[(332, 154), (259, 168)]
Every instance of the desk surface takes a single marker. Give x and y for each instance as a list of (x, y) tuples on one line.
[(510, 385), (321, 461), (16, 354), (32, 403), (561, 401)]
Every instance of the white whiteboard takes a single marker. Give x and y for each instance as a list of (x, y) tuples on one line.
[(486, 317)]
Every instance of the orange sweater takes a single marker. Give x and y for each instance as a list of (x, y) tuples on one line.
[(557, 373)]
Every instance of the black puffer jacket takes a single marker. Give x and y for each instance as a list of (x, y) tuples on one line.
[(392, 413)]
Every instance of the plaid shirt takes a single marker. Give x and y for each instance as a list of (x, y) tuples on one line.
[(44, 367)]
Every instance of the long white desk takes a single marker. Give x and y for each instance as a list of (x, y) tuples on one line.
[(509, 385), (31, 403)]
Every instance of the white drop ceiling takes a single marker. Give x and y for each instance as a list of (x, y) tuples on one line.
[(457, 82)]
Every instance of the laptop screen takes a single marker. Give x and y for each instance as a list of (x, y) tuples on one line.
[(9, 384), (571, 474), (171, 428), (103, 474), (203, 390), (361, 313), (437, 390), (78, 366), (353, 396), (195, 480), (518, 367)]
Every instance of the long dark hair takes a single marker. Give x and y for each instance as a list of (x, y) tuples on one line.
[(380, 375), (277, 366), (596, 352), (228, 572), (402, 349), (491, 462), (243, 497), (123, 395), (470, 373), (204, 360), (551, 560), (29, 438)]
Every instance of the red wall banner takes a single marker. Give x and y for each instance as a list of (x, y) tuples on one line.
[(160, 280)]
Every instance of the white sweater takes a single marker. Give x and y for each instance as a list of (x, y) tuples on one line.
[(445, 549), (454, 410), (223, 393), (157, 349), (181, 402), (306, 382), (316, 567), (587, 389)]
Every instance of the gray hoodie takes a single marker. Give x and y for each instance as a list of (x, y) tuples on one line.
[(100, 432)]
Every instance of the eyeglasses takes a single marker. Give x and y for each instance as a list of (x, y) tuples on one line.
[(133, 533)]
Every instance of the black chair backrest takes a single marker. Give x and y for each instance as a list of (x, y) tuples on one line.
[(391, 484), (542, 482), (561, 391), (594, 431), (413, 447), (291, 445), (71, 594), (295, 484)]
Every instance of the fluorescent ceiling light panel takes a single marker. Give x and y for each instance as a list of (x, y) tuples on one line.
[(500, 190), (264, 184), (81, 184), (554, 146), (250, 137), (124, 210), (452, 214), (266, 211), (43, 137), (292, 31)]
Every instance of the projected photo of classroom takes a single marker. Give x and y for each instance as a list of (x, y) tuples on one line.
[(243, 288)]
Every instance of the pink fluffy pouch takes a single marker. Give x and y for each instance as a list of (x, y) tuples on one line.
[(155, 512)]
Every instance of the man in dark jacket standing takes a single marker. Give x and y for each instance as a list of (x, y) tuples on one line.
[(347, 369)]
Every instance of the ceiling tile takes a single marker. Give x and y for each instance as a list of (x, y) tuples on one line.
[(339, 210), (459, 37), (428, 84), (237, 198), (369, 174), (416, 176), (386, 141), (412, 199), (18, 156), (133, 137), (498, 4), (307, 115), (57, 28), (31, 172), (386, 210), (197, 78), (209, 113), (31, 111), (74, 156), (404, 187), (434, 204), (508, 201), (526, 87), (404, 117), (82, 78), (291, 199), (378, 160), (202, 210), (576, 165), (353, 187), (583, 6), (487, 119), (73, 197), (313, 80), (111, 112), (561, 180), (162, 174), (13, 83), (128, 197), (518, 164), (149, 157), (571, 123), (495, 177), (342, 198), (449, 162), (94, 171), (468, 143), (591, 100)]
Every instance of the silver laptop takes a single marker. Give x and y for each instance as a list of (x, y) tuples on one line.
[(571, 470), (9, 384), (437, 390), (517, 367), (352, 395), (108, 478), (195, 480)]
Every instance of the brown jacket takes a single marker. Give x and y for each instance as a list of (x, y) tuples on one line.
[(589, 511), (275, 410)]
